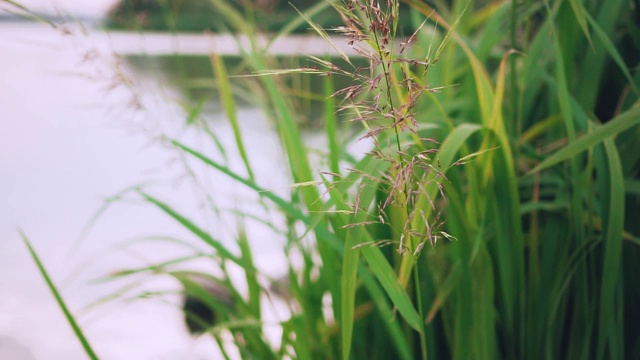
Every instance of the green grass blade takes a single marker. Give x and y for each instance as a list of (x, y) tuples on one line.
[(581, 16), (331, 124), (299, 21), (560, 289), (632, 187), (398, 337), (282, 203), (229, 104), (152, 269), (189, 225), (612, 189), (349, 278), (235, 18), (76, 329), (377, 263), (492, 30), (287, 126), (386, 275), (13, 3), (564, 98), (376, 260), (593, 62), (617, 125), (323, 34), (28, 14), (301, 171), (613, 52), (251, 274), (349, 275)]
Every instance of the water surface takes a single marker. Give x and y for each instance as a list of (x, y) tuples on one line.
[(73, 132)]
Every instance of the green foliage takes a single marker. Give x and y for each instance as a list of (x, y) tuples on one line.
[(495, 216), (201, 15)]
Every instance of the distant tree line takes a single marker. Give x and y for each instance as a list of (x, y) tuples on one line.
[(201, 15)]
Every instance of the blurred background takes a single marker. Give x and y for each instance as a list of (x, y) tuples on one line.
[(83, 109)]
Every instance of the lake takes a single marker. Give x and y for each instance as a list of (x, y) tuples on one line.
[(79, 125)]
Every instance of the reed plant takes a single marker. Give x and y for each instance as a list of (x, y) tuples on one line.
[(492, 218)]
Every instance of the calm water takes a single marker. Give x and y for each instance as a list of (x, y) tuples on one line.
[(71, 135)]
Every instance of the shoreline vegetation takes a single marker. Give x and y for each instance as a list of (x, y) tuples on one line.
[(202, 15), (494, 215)]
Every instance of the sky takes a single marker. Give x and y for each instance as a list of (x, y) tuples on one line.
[(91, 8)]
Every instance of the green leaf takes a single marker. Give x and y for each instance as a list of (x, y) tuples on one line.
[(613, 52), (581, 16), (632, 187), (331, 121), (251, 274), (348, 288), (386, 275), (617, 125), (229, 104), (74, 325), (189, 225), (612, 189)]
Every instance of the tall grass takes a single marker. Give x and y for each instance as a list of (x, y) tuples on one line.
[(494, 215)]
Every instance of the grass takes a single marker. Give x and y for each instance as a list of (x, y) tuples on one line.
[(70, 318), (495, 216)]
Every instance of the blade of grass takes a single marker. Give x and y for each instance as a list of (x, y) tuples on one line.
[(229, 104), (386, 275), (235, 18), (298, 21), (612, 191), (613, 52), (617, 125), (74, 325), (350, 262), (560, 290), (349, 278), (592, 62), (323, 34), (251, 274), (196, 230), (331, 124), (286, 206), (377, 263), (581, 16)]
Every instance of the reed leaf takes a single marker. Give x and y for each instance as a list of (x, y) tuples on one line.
[(61, 303), (612, 128)]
